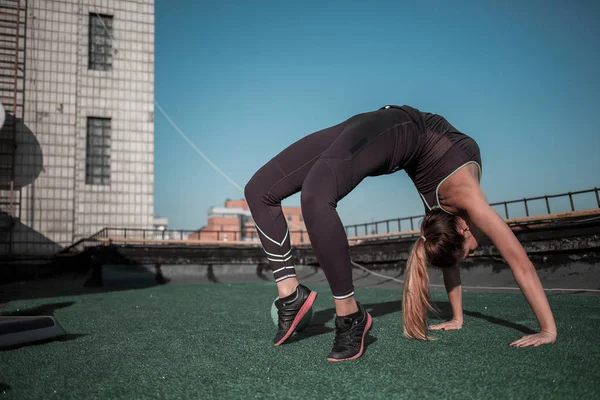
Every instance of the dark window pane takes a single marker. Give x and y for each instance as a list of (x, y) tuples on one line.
[(94, 141), (98, 151), (100, 42)]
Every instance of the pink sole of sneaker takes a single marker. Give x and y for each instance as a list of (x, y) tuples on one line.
[(303, 310), (362, 343)]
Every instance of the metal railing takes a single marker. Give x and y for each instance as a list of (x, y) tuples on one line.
[(178, 234), (526, 207), (572, 201), (527, 202), (363, 229)]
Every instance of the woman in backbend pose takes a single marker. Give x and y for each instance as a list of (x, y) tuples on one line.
[(445, 166)]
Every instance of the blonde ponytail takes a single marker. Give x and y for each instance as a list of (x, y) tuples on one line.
[(415, 297)]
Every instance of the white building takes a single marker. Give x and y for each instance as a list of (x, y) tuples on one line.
[(82, 93)]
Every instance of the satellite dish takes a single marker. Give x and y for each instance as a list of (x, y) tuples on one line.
[(2, 115)]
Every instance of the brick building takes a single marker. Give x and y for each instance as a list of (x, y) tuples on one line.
[(234, 222), (77, 146)]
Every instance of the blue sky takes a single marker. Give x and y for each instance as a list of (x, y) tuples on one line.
[(243, 81)]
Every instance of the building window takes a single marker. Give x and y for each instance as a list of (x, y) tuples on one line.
[(100, 46), (97, 157), (289, 217)]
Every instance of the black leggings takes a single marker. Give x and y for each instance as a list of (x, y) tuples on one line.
[(326, 166)]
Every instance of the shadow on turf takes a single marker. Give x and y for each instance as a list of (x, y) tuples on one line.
[(376, 310), (445, 312), (4, 388), (44, 309), (317, 327), (66, 338)]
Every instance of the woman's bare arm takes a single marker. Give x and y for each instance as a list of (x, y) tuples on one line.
[(473, 203), (453, 287)]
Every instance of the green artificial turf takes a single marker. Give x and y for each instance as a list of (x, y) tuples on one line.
[(215, 341)]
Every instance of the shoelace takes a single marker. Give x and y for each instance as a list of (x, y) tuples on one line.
[(287, 313), (347, 338)]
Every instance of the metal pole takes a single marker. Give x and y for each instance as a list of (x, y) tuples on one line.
[(571, 201), (387, 225), (12, 187), (506, 210), (597, 196), (547, 204), (526, 208)]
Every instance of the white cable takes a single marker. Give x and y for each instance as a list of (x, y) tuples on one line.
[(376, 274), (475, 287), (212, 164), (208, 160)]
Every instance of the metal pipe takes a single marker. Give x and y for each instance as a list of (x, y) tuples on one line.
[(571, 201), (12, 187)]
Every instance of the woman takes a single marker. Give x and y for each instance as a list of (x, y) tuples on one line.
[(445, 166)]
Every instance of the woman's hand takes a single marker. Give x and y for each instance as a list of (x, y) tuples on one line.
[(535, 340), (452, 325)]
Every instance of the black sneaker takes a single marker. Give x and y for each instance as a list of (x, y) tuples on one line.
[(291, 313), (349, 342)]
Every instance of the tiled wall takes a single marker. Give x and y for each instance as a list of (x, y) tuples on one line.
[(58, 207)]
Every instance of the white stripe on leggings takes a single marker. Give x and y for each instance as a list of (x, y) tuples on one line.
[(282, 268), (267, 236), (275, 260), (277, 255), (285, 277), (344, 297)]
